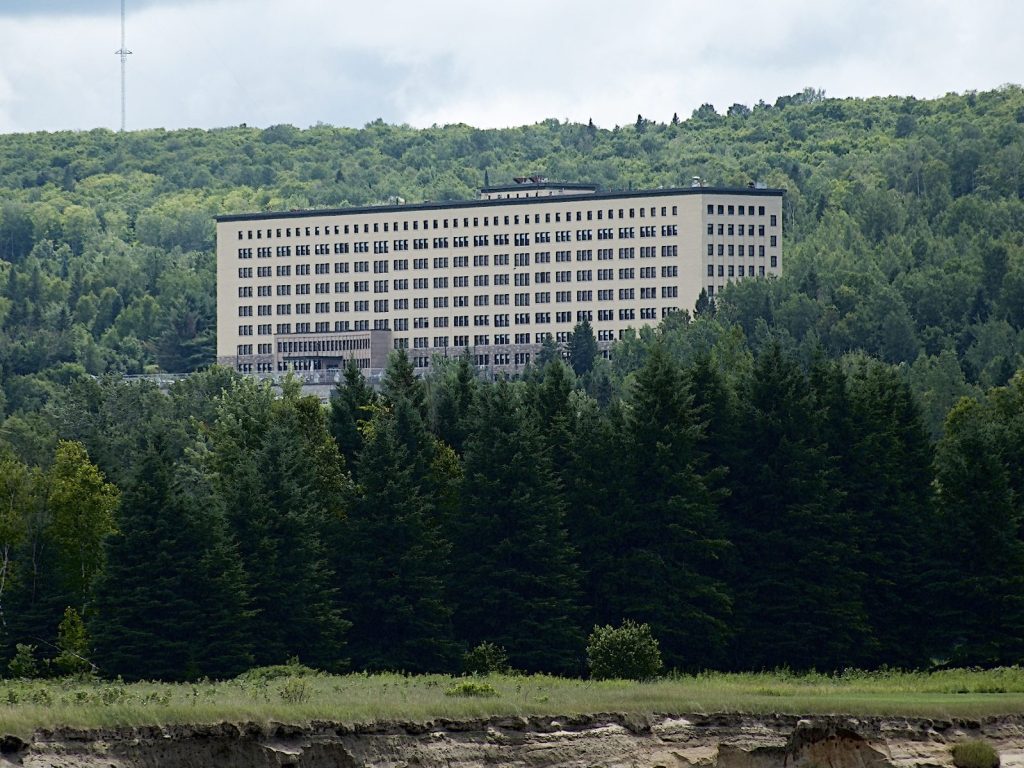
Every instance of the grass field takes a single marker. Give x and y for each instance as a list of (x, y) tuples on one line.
[(28, 705)]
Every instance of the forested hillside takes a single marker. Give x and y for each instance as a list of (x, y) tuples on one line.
[(902, 224), (789, 477)]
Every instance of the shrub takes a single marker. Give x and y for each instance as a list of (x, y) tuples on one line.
[(485, 659), (627, 652), (24, 663), (295, 691), (471, 688), (975, 754), (74, 645), (292, 668)]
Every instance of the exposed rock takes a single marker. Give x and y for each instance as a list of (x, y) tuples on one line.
[(578, 741)]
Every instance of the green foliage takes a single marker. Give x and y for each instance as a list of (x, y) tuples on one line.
[(294, 691), (284, 488), (979, 480), (24, 663), (626, 652), (83, 505), (73, 643), (172, 601), (582, 348), (974, 754), (393, 558), (485, 659), (757, 482), (473, 688), (351, 403), (516, 571), (293, 668)]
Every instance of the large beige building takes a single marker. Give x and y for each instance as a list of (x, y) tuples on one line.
[(305, 290)]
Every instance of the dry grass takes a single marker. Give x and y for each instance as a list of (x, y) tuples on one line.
[(28, 705)]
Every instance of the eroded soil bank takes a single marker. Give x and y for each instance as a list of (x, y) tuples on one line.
[(607, 740)]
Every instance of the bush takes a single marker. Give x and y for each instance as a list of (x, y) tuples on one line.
[(24, 663), (975, 754), (292, 668), (74, 645), (471, 688), (485, 659), (295, 691), (628, 652)]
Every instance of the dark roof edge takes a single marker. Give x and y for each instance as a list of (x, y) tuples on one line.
[(458, 204), (538, 185)]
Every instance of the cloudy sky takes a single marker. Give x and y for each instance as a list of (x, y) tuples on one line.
[(208, 63)]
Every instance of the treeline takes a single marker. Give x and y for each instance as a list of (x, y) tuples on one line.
[(903, 221), (757, 511)]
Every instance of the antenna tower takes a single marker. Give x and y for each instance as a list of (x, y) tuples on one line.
[(124, 53)]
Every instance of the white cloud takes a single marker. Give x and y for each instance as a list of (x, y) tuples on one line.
[(224, 62)]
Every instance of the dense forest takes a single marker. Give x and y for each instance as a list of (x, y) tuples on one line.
[(755, 511), (822, 470)]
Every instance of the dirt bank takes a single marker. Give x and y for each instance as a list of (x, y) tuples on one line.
[(607, 740)]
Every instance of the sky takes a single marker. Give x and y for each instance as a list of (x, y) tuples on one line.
[(216, 63)]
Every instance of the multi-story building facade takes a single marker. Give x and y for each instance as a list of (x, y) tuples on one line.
[(305, 290)]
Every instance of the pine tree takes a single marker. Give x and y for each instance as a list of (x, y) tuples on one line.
[(518, 583), (671, 541), (350, 404), (595, 499), (395, 560), (582, 348), (284, 488), (705, 305), (171, 603), (795, 583), (886, 479), (400, 380), (548, 352), (980, 585), (452, 403)]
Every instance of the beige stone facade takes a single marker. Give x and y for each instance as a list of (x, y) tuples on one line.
[(305, 290)]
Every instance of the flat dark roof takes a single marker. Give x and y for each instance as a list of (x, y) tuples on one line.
[(459, 204), (537, 185)]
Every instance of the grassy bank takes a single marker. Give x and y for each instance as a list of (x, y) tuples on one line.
[(28, 705)]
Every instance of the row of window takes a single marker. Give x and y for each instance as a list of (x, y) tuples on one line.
[(441, 302), (744, 271), (318, 230), (325, 347), (730, 210), (458, 321), (736, 230), (442, 243), (383, 306), (731, 250), (442, 283)]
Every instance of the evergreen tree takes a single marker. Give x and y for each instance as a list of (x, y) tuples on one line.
[(284, 488), (548, 351), (395, 561), (350, 404), (171, 603), (582, 348), (452, 403), (705, 305), (980, 586), (400, 380), (595, 498), (795, 583), (886, 479), (518, 583), (667, 570)]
